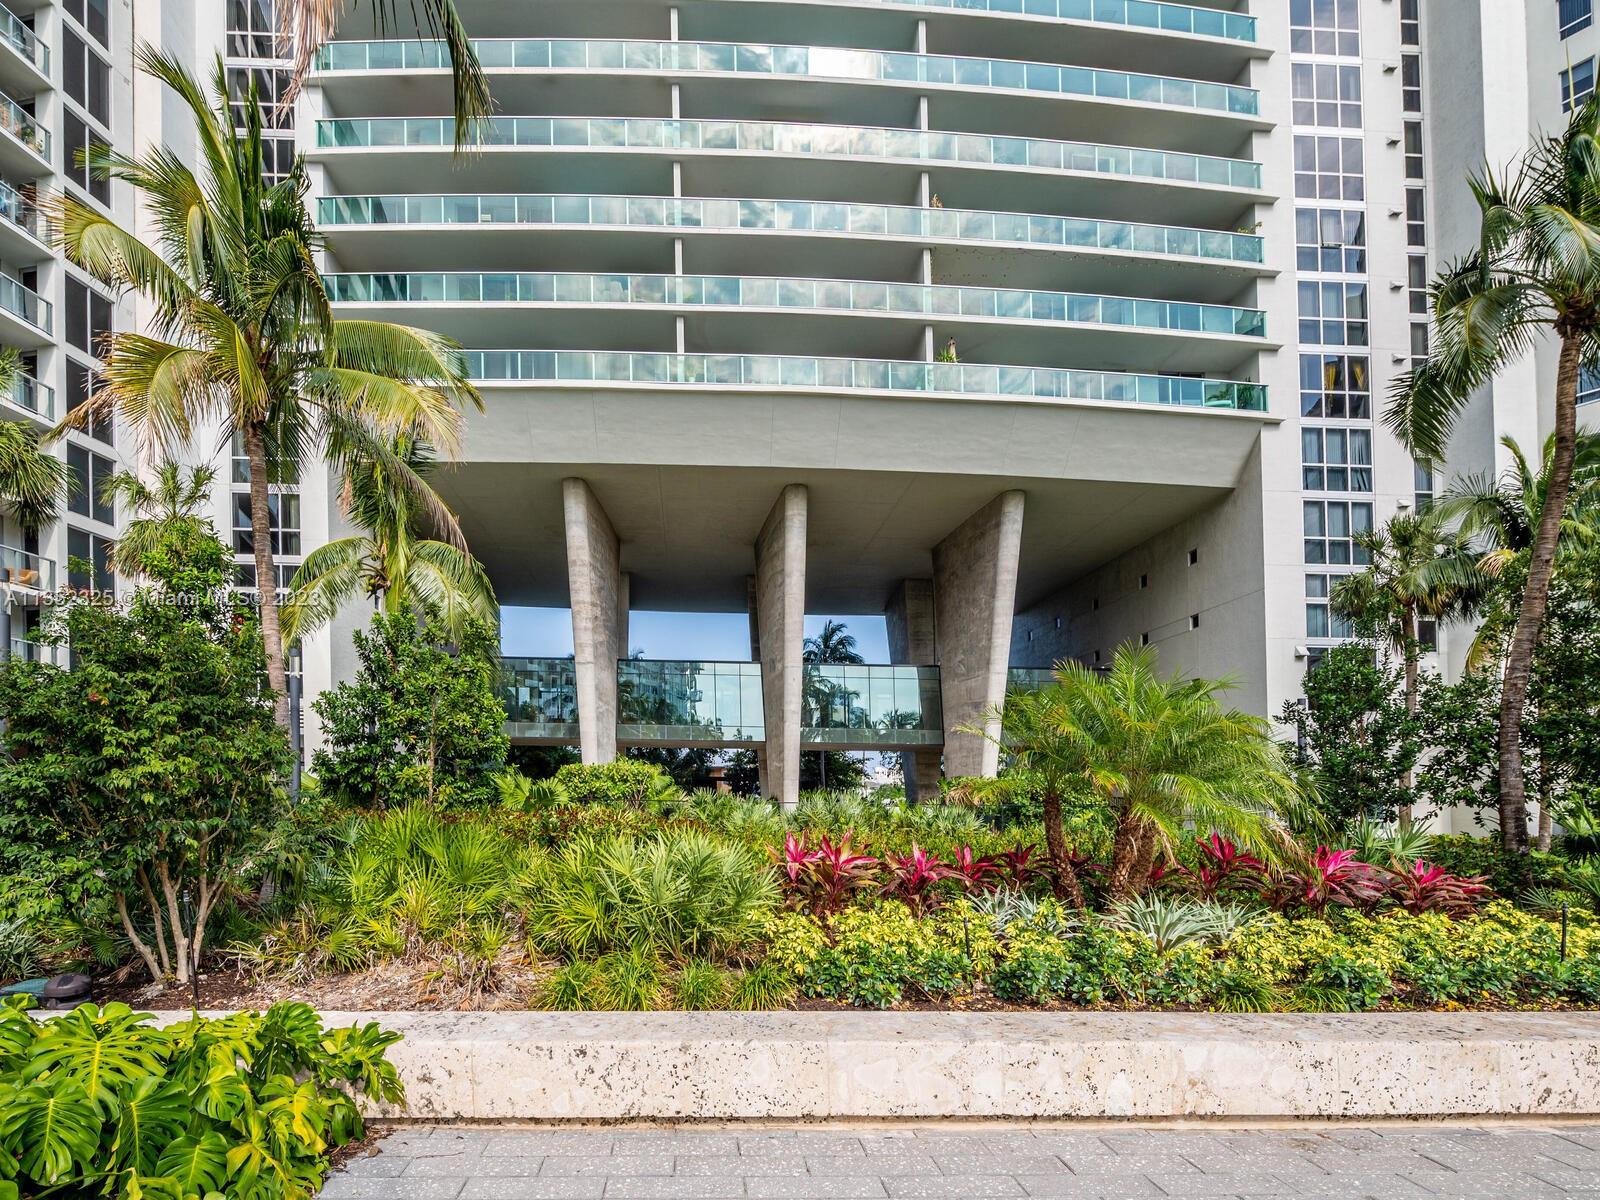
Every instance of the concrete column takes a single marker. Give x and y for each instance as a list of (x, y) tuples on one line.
[(599, 592), (780, 621), (974, 597), (909, 617)]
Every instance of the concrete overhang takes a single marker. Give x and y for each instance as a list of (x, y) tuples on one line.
[(687, 476), (647, 170)]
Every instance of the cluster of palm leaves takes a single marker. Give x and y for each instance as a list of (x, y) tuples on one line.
[(1161, 754), (242, 335), (403, 884)]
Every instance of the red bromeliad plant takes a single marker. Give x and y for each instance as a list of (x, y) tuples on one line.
[(823, 878), (913, 878), (1424, 887), (1332, 877), (1016, 866), (1223, 866), (975, 872)]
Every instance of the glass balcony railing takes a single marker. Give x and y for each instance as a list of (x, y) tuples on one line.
[(829, 295), (20, 211), (1136, 14), (20, 124), (33, 396), (817, 62), (24, 41), (799, 216), (20, 301), (778, 137), (540, 696), (871, 705), (20, 569), (872, 375), (1028, 679), (667, 701)]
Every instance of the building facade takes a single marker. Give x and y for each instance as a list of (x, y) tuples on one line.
[(1040, 328)]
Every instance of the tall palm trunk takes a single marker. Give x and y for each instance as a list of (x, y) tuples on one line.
[(1125, 848), (1408, 780), (255, 449), (1536, 595)]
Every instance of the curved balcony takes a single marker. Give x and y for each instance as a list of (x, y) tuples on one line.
[(789, 216), (833, 295), (783, 137), (1134, 14), (811, 62), (580, 368), (26, 154)]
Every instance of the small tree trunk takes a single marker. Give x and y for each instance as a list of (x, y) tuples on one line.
[(255, 447), (1536, 595), (154, 906), (138, 943), (180, 943), (1067, 884), (1408, 780)]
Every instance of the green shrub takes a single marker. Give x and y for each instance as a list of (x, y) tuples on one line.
[(99, 1101), (574, 987), (629, 980), (680, 892), (1034, 969), (625, 781), (765, 986), (700, 986), (1508, 874)]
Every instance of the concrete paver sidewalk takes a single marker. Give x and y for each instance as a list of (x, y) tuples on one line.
[(1353, 1162)]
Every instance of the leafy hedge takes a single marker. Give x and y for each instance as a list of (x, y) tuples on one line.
[(1349, 961), (101, 1102)]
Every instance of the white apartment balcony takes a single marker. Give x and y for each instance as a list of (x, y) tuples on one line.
[(21, 228), (24, 58), (793, 237), (22, 571), (1133, 34), (29, 400), (634, 156), (24, 143), (866, 318), (25, 316), (605, 77)]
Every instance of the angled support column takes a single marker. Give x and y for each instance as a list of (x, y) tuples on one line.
[(780, 631), (974, 597), (599, 592), (912, 642)]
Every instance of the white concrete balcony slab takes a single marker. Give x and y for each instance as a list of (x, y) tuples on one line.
[(869, 163), (24, 57), (29, 400), (26, 318), (24, 143), (788, 315), (21, 229), (999, 96)]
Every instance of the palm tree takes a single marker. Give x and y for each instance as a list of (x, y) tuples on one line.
[(397, 569), (832, 645), (308, 24), (32, 484), (1416, 569), (242, 332), (1160, 753), (169, 506), (1536, 271), (1501, 517)]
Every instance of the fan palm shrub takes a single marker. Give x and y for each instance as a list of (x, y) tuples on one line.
[(1534, 273), (1159, 753), (169, 508), (242, 333), (679, 893)]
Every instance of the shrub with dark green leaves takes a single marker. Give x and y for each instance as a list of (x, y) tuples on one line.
[(101, 1102), (625, 781)]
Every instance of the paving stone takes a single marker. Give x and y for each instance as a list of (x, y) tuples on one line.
[(745, 1165), (534, 1189), (885, 1165), (641, 1142), (1511, 1185), (783, 1144), (957, 1187), (346, 1187), (998, 1164), (813, 1187), (1088, 1185), (656, 1187), (607, 1165), (537, 1144)]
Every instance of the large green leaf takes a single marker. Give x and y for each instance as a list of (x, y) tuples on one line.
[(104, 1050), (153, 1112), (53, 1128), (197, 1164)]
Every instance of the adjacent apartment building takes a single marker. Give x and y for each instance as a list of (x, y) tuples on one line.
[(1039, 326)]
